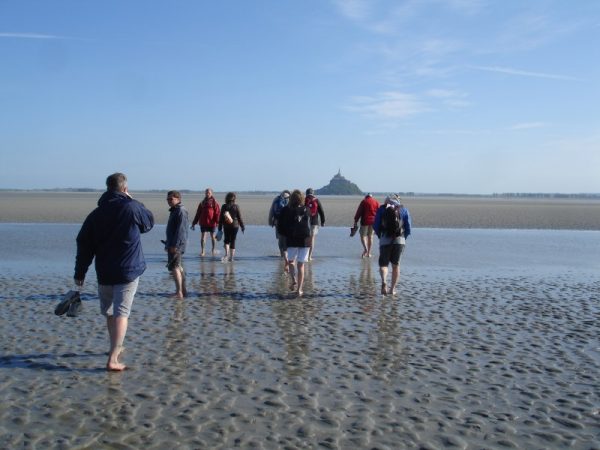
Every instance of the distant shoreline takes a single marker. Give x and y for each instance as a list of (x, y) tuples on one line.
[(427, 211), (549, 195)]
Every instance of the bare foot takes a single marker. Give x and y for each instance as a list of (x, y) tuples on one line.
[(383, 289), (115, 367), (178, 296)]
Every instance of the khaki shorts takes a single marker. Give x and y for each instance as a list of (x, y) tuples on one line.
[(366, 230)]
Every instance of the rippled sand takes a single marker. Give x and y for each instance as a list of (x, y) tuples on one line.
[(498, 363), (436, 212), (464, 357)]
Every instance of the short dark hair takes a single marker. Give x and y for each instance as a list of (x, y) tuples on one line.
[(175, 194), (116, 182)]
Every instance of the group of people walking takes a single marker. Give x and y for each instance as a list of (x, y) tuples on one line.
[(111, 235)]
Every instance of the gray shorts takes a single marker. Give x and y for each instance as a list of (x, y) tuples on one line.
[(117, 299)]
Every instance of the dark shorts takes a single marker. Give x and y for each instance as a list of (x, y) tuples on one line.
[(174, 260), (390, 254), (207, 229)]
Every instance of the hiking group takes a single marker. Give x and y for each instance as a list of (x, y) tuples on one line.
[(110, 235)]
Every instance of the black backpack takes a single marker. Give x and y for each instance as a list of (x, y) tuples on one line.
[(391, 224), (301, 223)]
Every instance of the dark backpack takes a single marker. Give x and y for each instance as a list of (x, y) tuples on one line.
[(312, 204), (301, 223), (391, 224)]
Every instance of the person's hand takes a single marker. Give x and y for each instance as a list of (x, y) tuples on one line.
[(243, 230), (193, 227), (78, 282), (172, 250)]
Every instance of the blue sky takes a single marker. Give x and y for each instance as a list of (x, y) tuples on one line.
[(461, 96)]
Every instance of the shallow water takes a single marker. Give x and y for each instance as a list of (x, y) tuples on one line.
[(492, 342)]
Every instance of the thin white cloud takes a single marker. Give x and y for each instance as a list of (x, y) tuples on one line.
[(528, 125), (450, 98), (353, 9), (524, 73), (388, 105), (29, 36)]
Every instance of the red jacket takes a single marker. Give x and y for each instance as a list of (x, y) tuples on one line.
[(207, 214), (366, 211)]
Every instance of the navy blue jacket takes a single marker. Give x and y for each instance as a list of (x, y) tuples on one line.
[(111, 234)]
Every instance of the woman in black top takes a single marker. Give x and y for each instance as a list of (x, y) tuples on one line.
[(295, 225), (230, 221)]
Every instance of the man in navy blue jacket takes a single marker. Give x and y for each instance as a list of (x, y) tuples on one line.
[(111, 235)]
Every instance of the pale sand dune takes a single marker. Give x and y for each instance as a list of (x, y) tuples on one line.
[(434, 212)]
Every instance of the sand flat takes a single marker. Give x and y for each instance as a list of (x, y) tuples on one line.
[(492, 342), (427, 212)]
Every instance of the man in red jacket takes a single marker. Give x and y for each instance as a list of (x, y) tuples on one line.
[(366, 213), (207, 216)]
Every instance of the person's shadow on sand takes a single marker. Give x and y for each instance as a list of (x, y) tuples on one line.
[(44, 361)]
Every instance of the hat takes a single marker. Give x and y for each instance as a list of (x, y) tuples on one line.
[(285, 193), (310, 191)]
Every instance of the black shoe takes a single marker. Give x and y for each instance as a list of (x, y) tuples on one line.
[(69, 298), (74, 308)]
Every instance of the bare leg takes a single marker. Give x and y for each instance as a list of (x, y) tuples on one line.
[(395, 276), (179, 277), (363, 241), (312, 245), (383, 273), (293, 274), (369, 244), (231, 254), (117, 328), (300, 277), (226, 256), (202, 242), (214, 241)]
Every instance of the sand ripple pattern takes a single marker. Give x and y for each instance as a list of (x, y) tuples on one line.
[(456, 362)]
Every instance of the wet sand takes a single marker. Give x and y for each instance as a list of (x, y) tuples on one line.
[(427, 212), (492, 342)]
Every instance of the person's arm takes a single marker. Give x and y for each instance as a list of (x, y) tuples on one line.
[(217, 214), (271, 220), (359, 212), (377, 223), (145, 218), (321, 212), (220, 224), (85, 252), (197, 216), (407, 222), (240, 220)]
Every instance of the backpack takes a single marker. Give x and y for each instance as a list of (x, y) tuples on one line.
[(312, 204), (278, 204), (301, 223), (391, 224)]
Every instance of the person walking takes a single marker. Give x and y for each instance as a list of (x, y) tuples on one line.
[(366, 211), (230, 221), (315, 210), (277, 206), (392, 226), (177, 234), (111, 235), (207, 215), (295, 224)]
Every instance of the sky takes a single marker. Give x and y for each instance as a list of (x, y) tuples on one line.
[(426, 96)]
